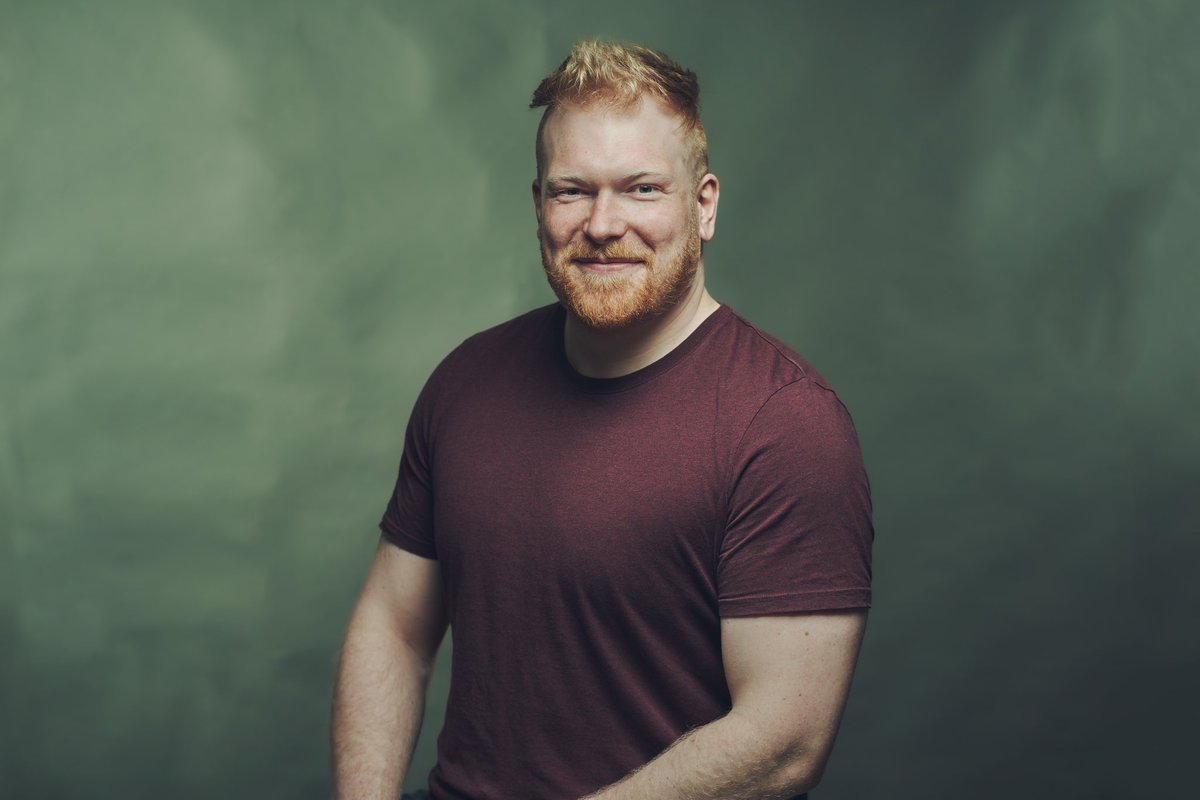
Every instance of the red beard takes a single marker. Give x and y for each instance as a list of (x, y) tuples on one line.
[(608, 301)]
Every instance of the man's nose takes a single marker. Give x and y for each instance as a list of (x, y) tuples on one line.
[(605, 222)]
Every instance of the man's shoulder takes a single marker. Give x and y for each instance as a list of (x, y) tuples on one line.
[(775, 395), (492, 349), (532, 325), (759, 358), (525, 327)]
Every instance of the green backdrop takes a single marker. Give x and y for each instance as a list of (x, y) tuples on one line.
[(235, 237)]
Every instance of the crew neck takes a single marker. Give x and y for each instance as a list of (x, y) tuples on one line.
[(637, 377)]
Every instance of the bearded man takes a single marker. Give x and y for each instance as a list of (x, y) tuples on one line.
[(645, 521)]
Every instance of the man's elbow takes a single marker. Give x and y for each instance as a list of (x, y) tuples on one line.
[(798, 756), (804, 769), (804, 778)]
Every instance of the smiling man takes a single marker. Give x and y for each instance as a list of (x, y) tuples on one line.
[(645, 520)]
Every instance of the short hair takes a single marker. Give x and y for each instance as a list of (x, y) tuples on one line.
[(621, 74)]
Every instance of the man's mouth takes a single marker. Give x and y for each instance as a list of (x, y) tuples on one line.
[(607, 264)]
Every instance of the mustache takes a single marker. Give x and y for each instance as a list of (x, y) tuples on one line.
[(612, 252)]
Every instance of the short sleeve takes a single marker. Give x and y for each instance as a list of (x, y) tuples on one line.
[(799, 533), (408, 519)]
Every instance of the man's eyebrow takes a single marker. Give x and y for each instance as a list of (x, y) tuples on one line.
[(637, 176), (633, 178)]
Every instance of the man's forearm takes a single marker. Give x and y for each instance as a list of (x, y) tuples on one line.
[(378, 705), (727, 759)]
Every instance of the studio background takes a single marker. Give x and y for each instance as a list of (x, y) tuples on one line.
[(236, 237)]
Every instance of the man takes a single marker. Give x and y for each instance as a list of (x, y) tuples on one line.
[(645, 520)]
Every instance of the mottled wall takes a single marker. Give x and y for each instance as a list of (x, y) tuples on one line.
[(236, 236)]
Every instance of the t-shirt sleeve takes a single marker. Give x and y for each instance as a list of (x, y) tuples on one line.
[(799, 532), (408, 519)]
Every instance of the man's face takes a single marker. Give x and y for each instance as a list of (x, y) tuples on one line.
[(618, 216)]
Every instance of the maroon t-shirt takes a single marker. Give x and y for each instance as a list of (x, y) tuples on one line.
[(592, 533)]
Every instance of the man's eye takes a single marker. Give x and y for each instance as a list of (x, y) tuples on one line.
[(569, 191), (646, 188)]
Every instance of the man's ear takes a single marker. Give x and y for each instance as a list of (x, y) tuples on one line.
[(707, 195), (537, 200)]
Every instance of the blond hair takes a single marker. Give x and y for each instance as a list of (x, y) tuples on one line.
[(621, 74)]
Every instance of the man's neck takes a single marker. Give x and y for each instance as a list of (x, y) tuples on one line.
[(613, 353)]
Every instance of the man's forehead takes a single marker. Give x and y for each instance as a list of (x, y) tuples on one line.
[(644, 137), (647, 110)]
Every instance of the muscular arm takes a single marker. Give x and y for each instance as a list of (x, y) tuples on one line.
[(788, 677), (387, 659)]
